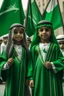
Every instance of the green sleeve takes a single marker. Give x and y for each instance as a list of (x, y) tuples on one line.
[(59, 64), (3, 60)]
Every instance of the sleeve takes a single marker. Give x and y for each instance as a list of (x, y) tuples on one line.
[(33, 59), (53, 67), (34, 55), (6, 66), (58, 64), (30, 67), (3, 60)]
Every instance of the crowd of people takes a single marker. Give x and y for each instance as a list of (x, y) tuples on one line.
[(32, 67)]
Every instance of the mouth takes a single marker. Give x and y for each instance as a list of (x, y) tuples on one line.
[(43, 35)]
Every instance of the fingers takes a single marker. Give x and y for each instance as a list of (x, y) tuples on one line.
[(48, 65), (10, 61), (31, 83)]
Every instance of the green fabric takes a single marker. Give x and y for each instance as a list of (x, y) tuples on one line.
[(46, 81), (11, 12), (52, 13), (33, 17), (16, 75)]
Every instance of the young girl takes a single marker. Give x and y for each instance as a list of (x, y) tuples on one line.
[(14, 65), (46, 70)]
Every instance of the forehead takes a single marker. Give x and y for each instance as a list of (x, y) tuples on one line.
[(18, 28), (44, 27), (47, 29)]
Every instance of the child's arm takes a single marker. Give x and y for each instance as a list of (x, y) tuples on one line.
[(57, 65), (10, 61), (50, 65), (8, 64)]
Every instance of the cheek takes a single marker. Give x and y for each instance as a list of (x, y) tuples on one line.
[(22, 36), (39, 34), (49, 34), (14, 37)]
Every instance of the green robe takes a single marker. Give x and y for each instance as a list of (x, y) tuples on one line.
[(16, 75), (46, 81)]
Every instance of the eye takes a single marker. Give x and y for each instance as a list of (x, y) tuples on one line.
[(41, 29), (15, 32), (21, 32), (46, 29)]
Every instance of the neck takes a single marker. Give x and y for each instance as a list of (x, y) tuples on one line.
[(45, 41), (17, 43)]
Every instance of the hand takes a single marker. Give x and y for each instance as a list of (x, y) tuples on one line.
[(10, 61), (31, 83), (48, 65)]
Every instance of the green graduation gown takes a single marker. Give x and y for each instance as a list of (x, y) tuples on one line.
[(46, 81), (16, 75)]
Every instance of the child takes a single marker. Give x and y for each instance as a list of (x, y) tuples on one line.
[(14, 65), (47, 71), (4, 42), (1, 81), (60, 39)]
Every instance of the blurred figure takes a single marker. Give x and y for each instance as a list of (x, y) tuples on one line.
[(1, 80), (3, 47), (4, 42), (60, 39), (1, 39)]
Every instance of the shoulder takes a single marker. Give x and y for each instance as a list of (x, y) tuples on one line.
[(35, 47), (54, 45), (55, 48)]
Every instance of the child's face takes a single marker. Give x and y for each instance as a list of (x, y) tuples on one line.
[(5, 40), (44, 33), (18, 34), (61, 44), (0, 41)]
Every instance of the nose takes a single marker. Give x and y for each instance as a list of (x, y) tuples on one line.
[(18, 33), (44, 31)]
